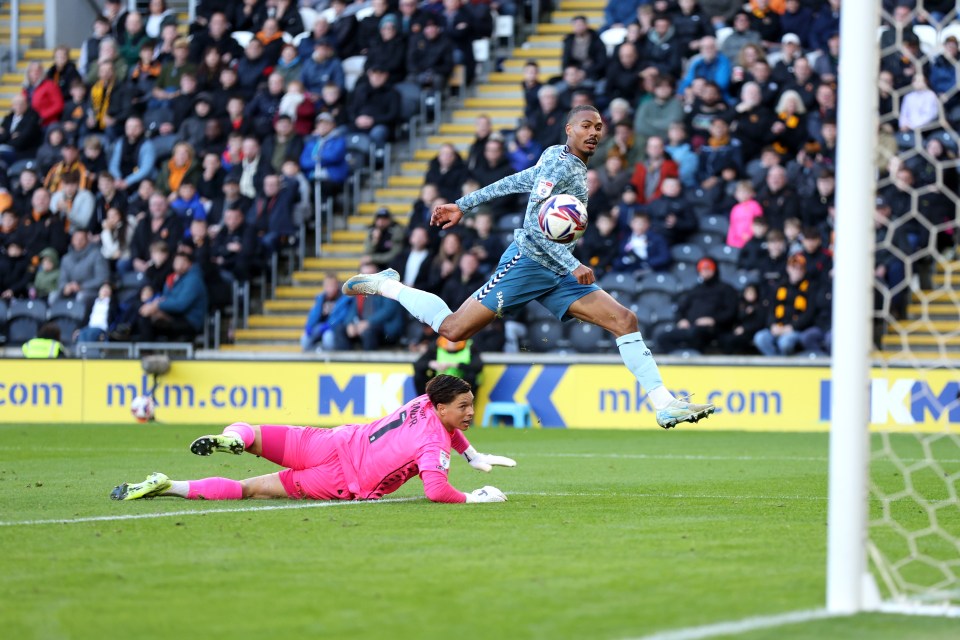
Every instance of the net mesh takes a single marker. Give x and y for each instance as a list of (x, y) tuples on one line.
[(914, 511)]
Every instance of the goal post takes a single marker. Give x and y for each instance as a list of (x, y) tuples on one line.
[(852, 306), (893, 516)]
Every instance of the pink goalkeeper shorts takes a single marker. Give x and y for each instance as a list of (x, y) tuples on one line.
[(313, 467)]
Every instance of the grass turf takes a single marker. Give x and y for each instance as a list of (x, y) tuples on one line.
[(606, 535)]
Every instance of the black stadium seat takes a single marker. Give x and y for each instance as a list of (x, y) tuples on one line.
[(69, 316), (24, 320), (659, 282), (589, 338), (624, 282), (689, 253)]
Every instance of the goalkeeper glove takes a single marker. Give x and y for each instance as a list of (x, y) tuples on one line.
[(485, 461), (486, 494)]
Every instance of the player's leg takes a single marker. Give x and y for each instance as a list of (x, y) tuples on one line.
[(422, 305), (236, 438), (598, 307), (158, 484)]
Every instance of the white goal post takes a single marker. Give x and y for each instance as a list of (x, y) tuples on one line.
[(863, 574)]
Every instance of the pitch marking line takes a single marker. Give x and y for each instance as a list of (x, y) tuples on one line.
[(741, 626), (346, 503)]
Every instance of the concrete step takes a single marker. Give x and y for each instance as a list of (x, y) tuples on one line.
[(345, 235), (458, 128), (582, 5), (951, 358), (562, 28), (31, 31), (315, 278), (497, 116), (933, 310), (268, 334), (278, 321), (543, 39), (335, 249), (269, 347), (370, 208), (494, 103), (362, 222), (549, 67), (949, 280), (923, 326), (922, 341), (539, 54), (460, 141), (287, 306), (593, 16), (414, 166), (46, 55), (298, 293), (330, 264)]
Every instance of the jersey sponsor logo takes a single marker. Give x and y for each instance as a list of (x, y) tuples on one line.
[(444, 461), (544, 188)]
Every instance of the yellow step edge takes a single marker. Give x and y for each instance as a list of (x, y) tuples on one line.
[(396, 194), (268, 334), (287, 322), (460, 115), (316, 277), (405, 181), (536, 53), (596, 14), (917, 355), (24, 31), (927, 340), (513, 79), (919, 326), (288, 305), (263, 348), (330, 263), (414, 166), (342, 247), (349, 236), (286, 292), (457, 128), (32, 7), (493, 103), (430, 154), (580, 5), (370, 208), (549, 37), (549, 67), (364, 221), (562, 28), (916, 309), (436, 141)]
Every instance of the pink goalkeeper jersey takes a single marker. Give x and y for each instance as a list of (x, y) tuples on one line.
[(377, 458)]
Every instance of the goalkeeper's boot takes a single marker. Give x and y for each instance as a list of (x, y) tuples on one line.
[(368, 284), (225, 442), (682, 411), (155, 484)]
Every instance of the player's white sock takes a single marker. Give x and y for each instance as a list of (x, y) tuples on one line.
[(425, 307), (178, 488), (391, 289), (642, 365)]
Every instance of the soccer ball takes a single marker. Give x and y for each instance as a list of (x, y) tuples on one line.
[(563, 218), (142, 408)]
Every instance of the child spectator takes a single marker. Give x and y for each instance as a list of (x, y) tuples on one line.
[(792, 230), (47, 279), (644, 250), (115, 237), (187, 205), (743, 214), (102, 314), (14, 270), (753, 253)]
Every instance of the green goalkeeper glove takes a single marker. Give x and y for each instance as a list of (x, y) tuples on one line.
[(485, 461)]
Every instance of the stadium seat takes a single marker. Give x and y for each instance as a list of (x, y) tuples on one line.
[(546, 335), (707, 240), (613, 37), (625, 282), (409, 109), (131, 283), (659, 282), (589, 338), (686, 275), (952, 29), (481, 51), (518, 413), (69, 316), (24, 319), (503, 29), (715, 224), (3, 321), (510, 222), (309, 17), (928, 38), (722, 34), (243, 38), (506, 237), (626, 298), (536, 312), (658, 305), (724, 254), (689, 253)]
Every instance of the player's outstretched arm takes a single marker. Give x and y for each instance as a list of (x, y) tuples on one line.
[(485, 461), (446, 216), (438, 489)]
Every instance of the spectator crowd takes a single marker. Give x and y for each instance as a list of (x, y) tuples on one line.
[(143, 179)]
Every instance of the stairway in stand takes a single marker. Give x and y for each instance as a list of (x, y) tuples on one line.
[(498, 96), (30, 36)]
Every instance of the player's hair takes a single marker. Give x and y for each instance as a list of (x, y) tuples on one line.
[(443, 389), (579, 109)]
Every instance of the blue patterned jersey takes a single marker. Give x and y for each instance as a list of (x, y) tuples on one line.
[(558, 171)]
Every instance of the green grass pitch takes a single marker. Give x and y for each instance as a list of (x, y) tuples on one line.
[(606, 535)]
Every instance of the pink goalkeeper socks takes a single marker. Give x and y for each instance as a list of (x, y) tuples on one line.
[(244, 430), (215, 489)]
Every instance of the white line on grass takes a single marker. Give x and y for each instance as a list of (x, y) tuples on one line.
[(345, 503), (741, 626)]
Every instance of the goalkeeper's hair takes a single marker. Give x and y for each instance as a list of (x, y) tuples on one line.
[(580, 109), (443, 389)]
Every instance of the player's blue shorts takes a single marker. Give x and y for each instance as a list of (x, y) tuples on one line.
[(518, 280)]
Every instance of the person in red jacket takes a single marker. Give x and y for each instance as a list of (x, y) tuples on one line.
[(43, 94), (648, 175)]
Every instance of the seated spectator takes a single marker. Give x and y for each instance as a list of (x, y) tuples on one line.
[(42, 94), (271, 37), (271, 214), (287, 15), (109, 56), (115, 236), (791, 50), (50, 151), (493, 165), (549, 120), (742, 35), (282, 145), (789, 130), (751, 318), (524, 151), (230, 198), (322, 67), (107, 197), (709, 64), (180, 168), (671, 215), (74, 203), (47, 278), (181, 309), (654, 117), (742, 215), (15, 276), (159, 226), (816, 339), (584, 48), (324, 155), (212, 176), (614, 176), (218, 293), (464, 280), (20, 131), (662, 49), (649, 174), (193, 127), (74, 117), (797, 19), (819, 262), (682, 153), (187, 205), (448, 172), (815, 209), (530, 85), (248, 16), (790, 311), (133, 156), (944, 76), (778, 199), (82, 270), (40, 228), (142, 77), (23, 190), (290, 65), (890, 296), (753, 254), (321, 29), (828, 64), (920, 107), (430, 56), (384, 240), (299, 107), (376, 321), (460, 359), (446, 262), (720, 152), (252, 68), (413, 263), (753, 121), (704, 313), (707, 104), (462, 25), (804, 81), (600, 245), (622, 74), (824, 109), (90, 49), (132, 38), (167, 85), (104, 311), (644, 250), (374, 107), (792, 232), (332, 100), (621, 142), (483, 129), (234, 246), (92, 155), (252, 169), (344, 28), (69, 163), (388, 49)]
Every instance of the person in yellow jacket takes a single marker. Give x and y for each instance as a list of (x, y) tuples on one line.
[(457, 359), (46, 345)]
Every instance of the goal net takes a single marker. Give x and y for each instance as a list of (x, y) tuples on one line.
[(911, 387)]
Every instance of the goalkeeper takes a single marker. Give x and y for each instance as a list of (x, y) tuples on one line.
[(351, 462)]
